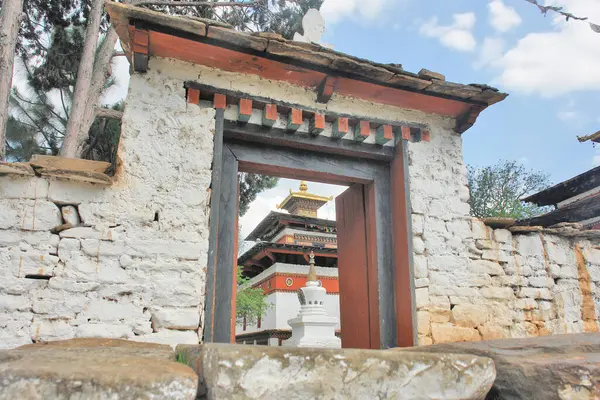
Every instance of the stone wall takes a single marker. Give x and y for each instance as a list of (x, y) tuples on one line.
[(134, 266), (473, 282)]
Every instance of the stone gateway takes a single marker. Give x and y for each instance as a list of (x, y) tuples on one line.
[(149, 254)]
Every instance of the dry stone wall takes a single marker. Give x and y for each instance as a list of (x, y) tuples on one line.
[(133, 264), (476, 283)]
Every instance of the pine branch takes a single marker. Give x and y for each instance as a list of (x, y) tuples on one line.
[(559, 10), (209, 4)]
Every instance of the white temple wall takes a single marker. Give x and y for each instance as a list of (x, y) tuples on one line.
[(475, 283), (121, 273)]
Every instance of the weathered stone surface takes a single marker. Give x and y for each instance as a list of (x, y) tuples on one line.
[(545, 368), (70, 215), (94, 369), (176, 318), (261, 372), (443, 333), (469, 315)]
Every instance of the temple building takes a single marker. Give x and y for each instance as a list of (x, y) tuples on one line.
[(279, 264)]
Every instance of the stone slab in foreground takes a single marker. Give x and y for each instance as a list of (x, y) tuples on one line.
[(94, 369), (542, 368), (262, 372)]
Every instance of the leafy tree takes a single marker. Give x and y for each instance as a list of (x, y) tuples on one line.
[(496, 191), (251, 185), (250, 302)]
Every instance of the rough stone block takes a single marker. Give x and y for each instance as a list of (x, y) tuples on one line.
[(9, 217), (422, 296), (69, 192), (40, 215), (170, 337), (502, 236), (469, 315), (32, 263), (417, 224), (95, 247), (486, 267), (492, 332), (499, 293), (109, 311), (443, 333), (549, 367), (44, 330), (479, 229), (420, 265), (496, 255), (529, 245), (12, 303), (535, 293), (23, 187), (93, 269), (168, 248), (418, 245), (176, 318), (70, 215), (107, 331), (58, 303), (423, 323), (557, 250), (541, 281), (237, 371), (421, 282), (94, 369)]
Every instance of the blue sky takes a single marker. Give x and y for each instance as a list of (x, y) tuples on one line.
[(550, 68)]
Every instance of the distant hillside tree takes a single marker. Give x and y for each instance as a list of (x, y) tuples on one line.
[(496, 191)]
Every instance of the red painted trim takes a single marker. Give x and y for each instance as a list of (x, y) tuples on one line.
[(405, 132), (319, 121), (271, 112), (425, 135), (220, 101), (193, 96), (246, 107), (387, 132), (364, 128)]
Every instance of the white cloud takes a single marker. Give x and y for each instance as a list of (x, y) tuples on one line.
[(567, 115), (490, 51), (503, 18), (335, 10), (596, 159), (457, 36), (564, 60)]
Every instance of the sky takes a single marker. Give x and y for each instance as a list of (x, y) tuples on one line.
[(549, 67)]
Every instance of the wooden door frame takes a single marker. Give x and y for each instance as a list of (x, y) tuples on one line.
[(277, 153)]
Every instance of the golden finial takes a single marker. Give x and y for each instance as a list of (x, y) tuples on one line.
[(303, 186), (312, 270)]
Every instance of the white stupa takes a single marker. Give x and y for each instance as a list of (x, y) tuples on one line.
[(313, 26), (313, 327)]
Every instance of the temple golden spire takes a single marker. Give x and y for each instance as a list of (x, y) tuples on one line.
[(303, 203)]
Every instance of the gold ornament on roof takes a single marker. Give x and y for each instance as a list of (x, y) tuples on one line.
[(293, 200)]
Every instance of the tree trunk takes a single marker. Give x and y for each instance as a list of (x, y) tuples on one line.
[(101, 64), (72, 140), (9, 29)]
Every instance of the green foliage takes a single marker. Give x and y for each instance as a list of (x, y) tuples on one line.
[(250, 302), (251, 185), (182, 357), (279, 16), (496, 191)]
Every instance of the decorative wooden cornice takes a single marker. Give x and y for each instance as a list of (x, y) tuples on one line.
[(295, 118)]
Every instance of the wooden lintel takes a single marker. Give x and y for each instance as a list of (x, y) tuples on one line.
[(340, 127), (294, 119), (317, 124), (68, 164), (269, 116), (140, 45), (362, 130), (468, 119), (245, 110), (193, 96), (325, 89)]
